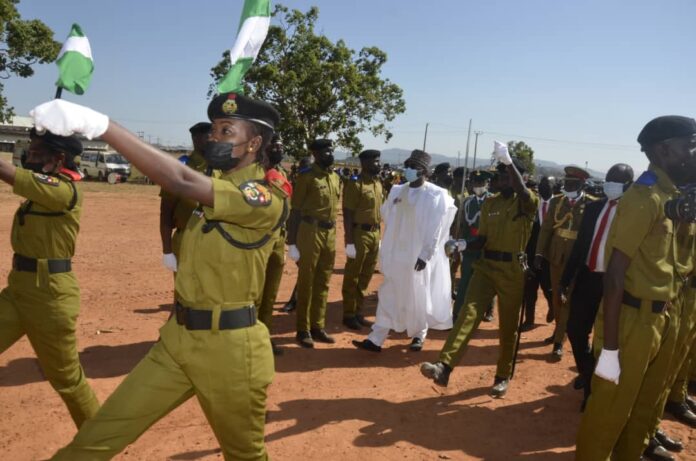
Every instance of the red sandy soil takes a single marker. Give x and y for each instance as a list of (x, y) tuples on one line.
[(330, 403)]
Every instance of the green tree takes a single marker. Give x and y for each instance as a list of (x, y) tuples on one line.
[(319, 87), (524, 152), (22, 44)]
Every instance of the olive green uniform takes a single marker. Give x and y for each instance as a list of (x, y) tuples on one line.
[(316, 196), (44, 303), (679, 390), (363, 198), (555, 243), (228, 370), (506, 223), (617, 416)]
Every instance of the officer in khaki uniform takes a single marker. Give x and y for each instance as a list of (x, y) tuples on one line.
[(42, 298), (176, 211), (505, 225), (313, 219), (555, 243), (362, 199), (213, 347), (637, 324)]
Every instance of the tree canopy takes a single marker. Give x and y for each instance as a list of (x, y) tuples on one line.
[(525, 153), (320, 88), (23, 43)]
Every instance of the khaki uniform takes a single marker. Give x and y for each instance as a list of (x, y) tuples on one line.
[(616, 419), (316, 196), (555, 243), (228, 370), (363, 198), (506, 223), (44, 303)]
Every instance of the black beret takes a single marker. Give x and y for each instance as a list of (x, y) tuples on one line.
[(458, 172), (420, 158), (445, 166), (480, 175), (369, 154), (235, 105), (518, 164), (666, 127), (576, 173), (69, 145), (321, 144), (201, 128)]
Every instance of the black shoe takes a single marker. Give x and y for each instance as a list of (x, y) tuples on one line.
[(305, 339), (691, 403), (288, 307), (527, 326), (363, 321), (438, 372), (681, 412), (276, 349), (557, 352), (549, 340), (657, 452), (500, 386), (352, 323), (319, 334), (549, 316), (488, 316), (668, 442), (580, 382), (416, 345), (367, 345)]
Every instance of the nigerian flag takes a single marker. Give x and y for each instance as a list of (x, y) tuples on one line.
[(253, 27), (75, 62)]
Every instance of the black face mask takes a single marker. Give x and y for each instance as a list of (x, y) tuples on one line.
[(218, 155), (275, 155), (325, 160)]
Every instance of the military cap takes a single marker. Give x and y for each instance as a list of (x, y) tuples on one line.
[(201, 128), (480, 175), (235, 105), (444, 166), (369, 154), (501, 168), (69, 145), (321, 144), (666, 127), (420, 158), (575, 172)]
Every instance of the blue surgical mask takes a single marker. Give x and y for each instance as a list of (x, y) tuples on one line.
[(613, 190), (410, 174)]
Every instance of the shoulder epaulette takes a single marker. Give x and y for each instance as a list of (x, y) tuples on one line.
[(648, 178)]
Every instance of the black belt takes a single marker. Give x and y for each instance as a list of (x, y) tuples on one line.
[(196, 319), (55, 266), (497, 255), (367, 227), (657, 306), (693, 281), (322, 224)]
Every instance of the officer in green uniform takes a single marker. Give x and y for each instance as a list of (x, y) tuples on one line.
[(212, 347), (639, 317), (679, 403), (362, 199), (555, 243), (42, 299), (468, 220), (276, 261), (176, 211), (313, 217), (505, 225)]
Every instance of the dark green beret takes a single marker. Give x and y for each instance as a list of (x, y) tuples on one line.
[(458, 172), (369, 154), (319, 145), (235, 105), (445, 166), (201, 128), (666, 127), (576, 173), (480, 175), (69, 145)]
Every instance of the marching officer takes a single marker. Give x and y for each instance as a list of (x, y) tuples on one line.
[(555, 243), (362, 199), (314, 210), (42, 298)]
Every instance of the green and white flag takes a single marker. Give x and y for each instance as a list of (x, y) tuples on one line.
[(253, 27), (75, 62)]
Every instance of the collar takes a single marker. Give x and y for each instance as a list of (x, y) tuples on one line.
[(321, 170), (663, 181), (249, 172)]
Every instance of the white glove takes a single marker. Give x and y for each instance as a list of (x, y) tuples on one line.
[(608, 366), (461, 245), (66, 118), (293, 253), (169, 261), (350, 251), (501, 154)]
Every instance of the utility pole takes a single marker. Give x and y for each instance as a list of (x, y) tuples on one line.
[(425, 137), (476, 133), (459, 158), (466, 156)]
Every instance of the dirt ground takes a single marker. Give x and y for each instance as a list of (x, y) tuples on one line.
[(330, 403)]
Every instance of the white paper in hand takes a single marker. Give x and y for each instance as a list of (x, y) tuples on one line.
[(500, 151)]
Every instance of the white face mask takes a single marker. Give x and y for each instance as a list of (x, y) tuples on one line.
[(479, 191), (571, 195), (613, 190)]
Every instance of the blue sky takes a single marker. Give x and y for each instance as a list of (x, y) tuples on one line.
[(575, 79)]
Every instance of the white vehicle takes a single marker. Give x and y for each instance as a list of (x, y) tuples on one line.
[(100, 164)]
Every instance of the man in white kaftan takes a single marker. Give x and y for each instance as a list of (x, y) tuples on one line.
[(416, 292)]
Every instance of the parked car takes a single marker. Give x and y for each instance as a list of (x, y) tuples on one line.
[(100, 164)]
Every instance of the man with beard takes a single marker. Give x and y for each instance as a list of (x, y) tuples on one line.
[(416, 292), (638, 320), (314, 211), (506, 221), (362, 199)]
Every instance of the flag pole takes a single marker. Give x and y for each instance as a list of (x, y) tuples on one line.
[(59, 92)]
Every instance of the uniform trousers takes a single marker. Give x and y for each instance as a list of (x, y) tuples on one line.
[(531, 291), (274, 274), (359, 270), (317, 254)]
